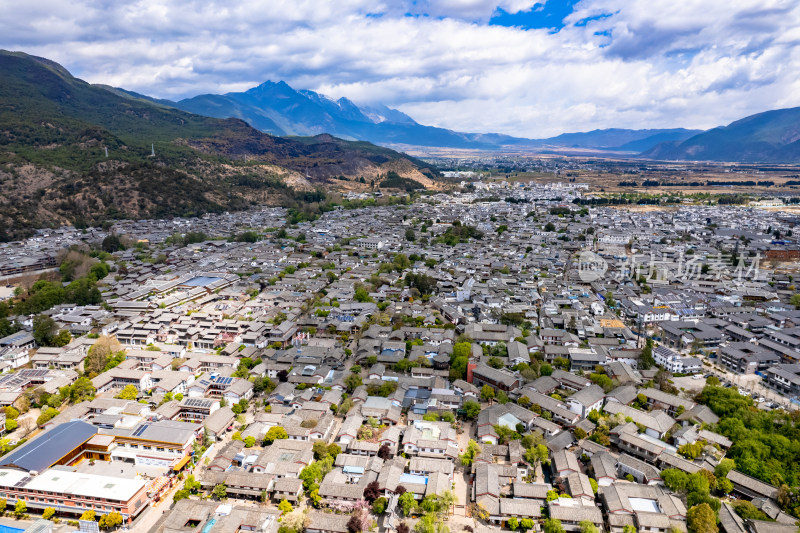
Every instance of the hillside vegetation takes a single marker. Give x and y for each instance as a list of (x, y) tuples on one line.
[(55, 129)]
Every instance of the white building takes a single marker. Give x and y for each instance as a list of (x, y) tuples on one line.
[(674, 363)]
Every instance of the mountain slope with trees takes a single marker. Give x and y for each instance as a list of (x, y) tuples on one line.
[(55, 130)]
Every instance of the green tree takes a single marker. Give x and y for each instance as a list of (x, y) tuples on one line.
[(537, 454), (249, 441), (627, 528), (505, 434), (610, 302), (20, 508), (603, 381), (47, 414), (724, 485), (130, 392), (191, 484), (62, 338), (587, 527), (469, 455), (552, 525), (487, 393), (320, 449), (723, 467), (546, 369), (361, 295), (692, 450), (674, 479), (748, 511), (275, 433), (422, 282), (430, 523), (334, 450), (112, 243), (44, 330), (646, 360), (285, 507), (315, 498), (111, 520), (701, 519), (99, 270), (379, 505), (11, 425), (526, 524), (502, 397), (471, 409), (461, 349), (352, 382), (495, 362), (401, 262), (512, 523), (220, 491), (447, 500), (407, 503), (81, 390), (458, 368), (428, 504)]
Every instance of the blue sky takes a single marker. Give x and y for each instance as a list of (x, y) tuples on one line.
[(549, 15), (523, 67)]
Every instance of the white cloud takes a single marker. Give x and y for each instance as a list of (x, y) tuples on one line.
[(618, 63)]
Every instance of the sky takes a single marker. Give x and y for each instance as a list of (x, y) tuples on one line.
[(521, 67)]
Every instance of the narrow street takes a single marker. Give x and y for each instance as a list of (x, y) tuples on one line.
[(461, 474)]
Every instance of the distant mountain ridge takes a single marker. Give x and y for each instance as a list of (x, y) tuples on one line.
[(277, 108), (770, 137), (623, 140)]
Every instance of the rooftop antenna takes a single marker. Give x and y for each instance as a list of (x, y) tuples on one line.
[(152, 150), (106, 147)]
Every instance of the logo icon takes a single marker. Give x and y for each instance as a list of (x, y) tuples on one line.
[(591, 266)]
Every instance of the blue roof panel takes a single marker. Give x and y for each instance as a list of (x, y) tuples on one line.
[(48, 448)]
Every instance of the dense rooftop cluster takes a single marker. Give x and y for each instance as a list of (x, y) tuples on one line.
[(504, 355)]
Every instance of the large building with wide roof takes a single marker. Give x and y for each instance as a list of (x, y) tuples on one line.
[(60, 445), (72, 493)]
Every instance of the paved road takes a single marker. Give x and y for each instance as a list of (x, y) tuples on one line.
[(752, 384), (461, 475)]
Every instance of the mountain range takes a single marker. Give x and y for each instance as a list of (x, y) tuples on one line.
[(71, 152), (277, 108), (772, 136)]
